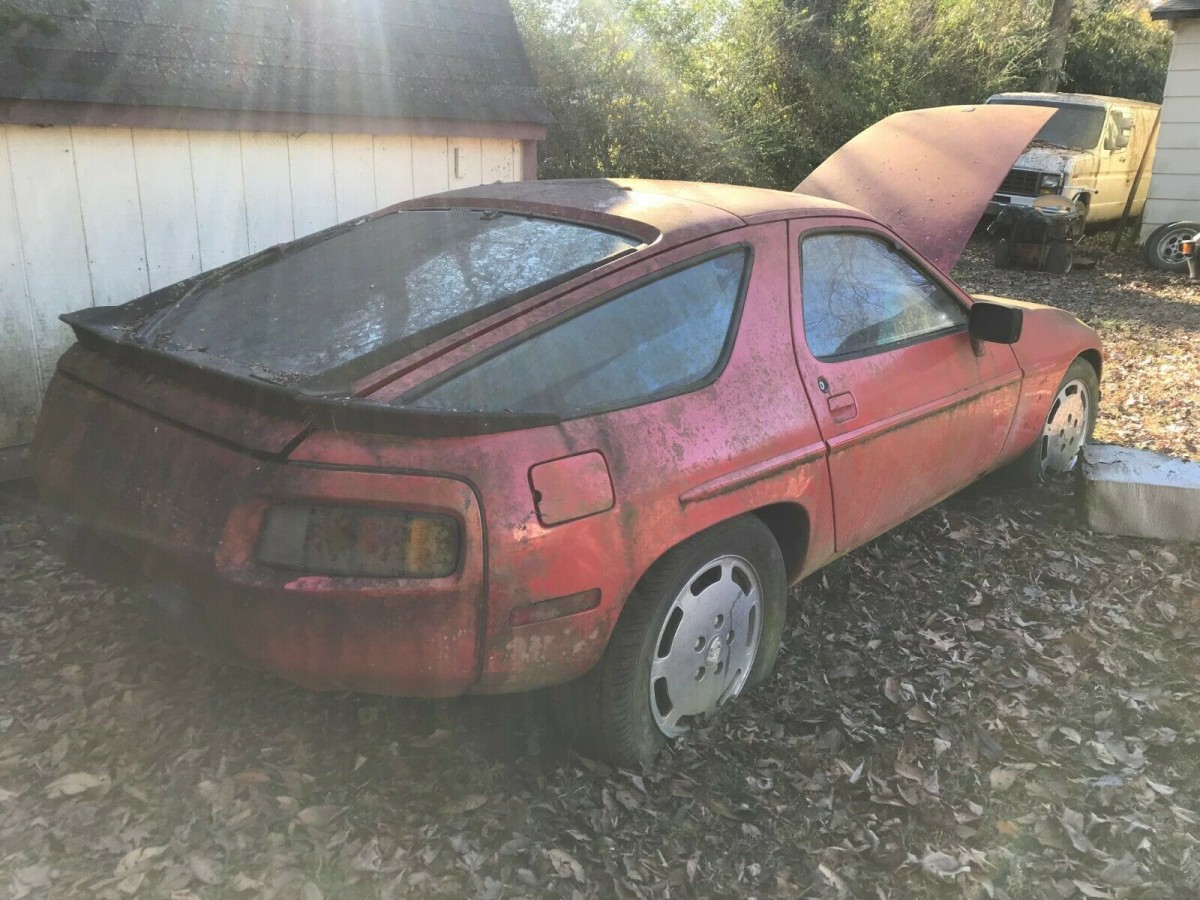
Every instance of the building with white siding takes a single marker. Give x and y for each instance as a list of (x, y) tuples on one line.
[(1175, 188), (144, 141)]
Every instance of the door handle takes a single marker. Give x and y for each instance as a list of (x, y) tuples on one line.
[(843, 407)]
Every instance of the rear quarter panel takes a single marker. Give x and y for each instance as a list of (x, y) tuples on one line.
[(678, 466)]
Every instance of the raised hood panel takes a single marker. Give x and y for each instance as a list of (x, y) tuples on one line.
[(928, 174)]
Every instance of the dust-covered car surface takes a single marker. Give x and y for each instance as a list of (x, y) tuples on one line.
[(563, 433)]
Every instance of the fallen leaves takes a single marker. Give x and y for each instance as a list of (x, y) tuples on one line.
[(566, 865), (137, 859), (985, 701), (76, 783), (1001, 779), (465, 804), (943, 865), (318, 816)]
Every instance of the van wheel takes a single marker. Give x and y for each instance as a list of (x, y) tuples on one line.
[(1002, 253), (1079, 226), (1059, 258), (1162, 249), (1069, 424), (703, 625)]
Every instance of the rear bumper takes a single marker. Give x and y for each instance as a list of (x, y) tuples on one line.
[(186, 509), (415, 646)]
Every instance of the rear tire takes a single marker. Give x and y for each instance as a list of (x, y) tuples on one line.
[(1161, 250), (703, 625)]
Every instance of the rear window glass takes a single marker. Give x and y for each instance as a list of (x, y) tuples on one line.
[(408, 275), (652, 341)]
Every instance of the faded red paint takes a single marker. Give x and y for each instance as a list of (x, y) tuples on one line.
[(927, 419), (571, 488), (576, 510)]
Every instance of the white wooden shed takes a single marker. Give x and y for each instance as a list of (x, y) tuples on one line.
[(1175, 187), (144, 141)]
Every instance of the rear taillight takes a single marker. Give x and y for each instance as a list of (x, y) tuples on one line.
[(334, 540)]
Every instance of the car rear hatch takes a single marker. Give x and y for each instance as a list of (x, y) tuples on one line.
[(147, 459), (168, 405)]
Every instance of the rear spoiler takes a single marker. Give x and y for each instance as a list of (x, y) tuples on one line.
[(223, 381)]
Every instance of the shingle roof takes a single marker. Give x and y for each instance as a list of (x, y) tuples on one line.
[(411, 59), (1176, 9)]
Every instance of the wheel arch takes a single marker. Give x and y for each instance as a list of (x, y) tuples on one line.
[(1092, 358), (789, 525)]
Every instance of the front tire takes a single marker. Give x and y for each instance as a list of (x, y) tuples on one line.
[(703, 625), (1069, 425)]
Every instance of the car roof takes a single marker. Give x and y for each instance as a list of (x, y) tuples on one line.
[(1074, 99), (673, 210)]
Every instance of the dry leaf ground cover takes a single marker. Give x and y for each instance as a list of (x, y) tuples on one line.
[(986, 702)]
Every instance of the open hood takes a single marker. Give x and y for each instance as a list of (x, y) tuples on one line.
[(928, 174)]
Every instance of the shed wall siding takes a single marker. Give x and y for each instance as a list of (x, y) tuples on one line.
[(99, 216), (1175, 186)]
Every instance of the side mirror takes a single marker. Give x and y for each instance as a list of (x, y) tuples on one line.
[(1120, 141), (995, 323)]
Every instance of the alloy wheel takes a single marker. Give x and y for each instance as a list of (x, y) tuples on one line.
[(707, 644), (1066, 427)]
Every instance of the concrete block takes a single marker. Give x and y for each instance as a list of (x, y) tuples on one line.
[(1141, 493)]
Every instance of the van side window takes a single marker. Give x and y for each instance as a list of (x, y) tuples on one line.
[(858, 294)]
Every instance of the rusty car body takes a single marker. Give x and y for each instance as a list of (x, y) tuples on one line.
[(439, 515)]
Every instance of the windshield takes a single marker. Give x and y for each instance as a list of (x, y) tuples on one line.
[(1075, 127), (406, 277)]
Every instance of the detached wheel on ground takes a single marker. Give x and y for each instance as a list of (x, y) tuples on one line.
[(702, 626), (1069, 425), (1059, 258), (1162, 249)]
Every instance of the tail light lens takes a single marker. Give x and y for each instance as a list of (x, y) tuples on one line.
[(332, 540)]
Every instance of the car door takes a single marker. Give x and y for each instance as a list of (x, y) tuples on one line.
[(910, 407)]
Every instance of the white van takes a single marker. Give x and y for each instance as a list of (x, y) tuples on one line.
[(1089, 151)]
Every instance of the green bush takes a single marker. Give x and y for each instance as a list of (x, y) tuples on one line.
[(760, 91), (1115, 49)]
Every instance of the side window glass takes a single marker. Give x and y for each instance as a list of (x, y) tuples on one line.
[(858, 294), (658, 338)]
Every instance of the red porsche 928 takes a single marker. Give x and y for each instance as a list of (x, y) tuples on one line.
[(564, 433)]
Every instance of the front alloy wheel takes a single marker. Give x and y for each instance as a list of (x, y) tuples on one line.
[(1068, 426)]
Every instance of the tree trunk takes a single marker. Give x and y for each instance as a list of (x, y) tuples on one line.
[(1056, 44)]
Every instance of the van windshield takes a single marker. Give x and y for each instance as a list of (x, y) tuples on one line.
[(1074, 126), (384, 286)]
